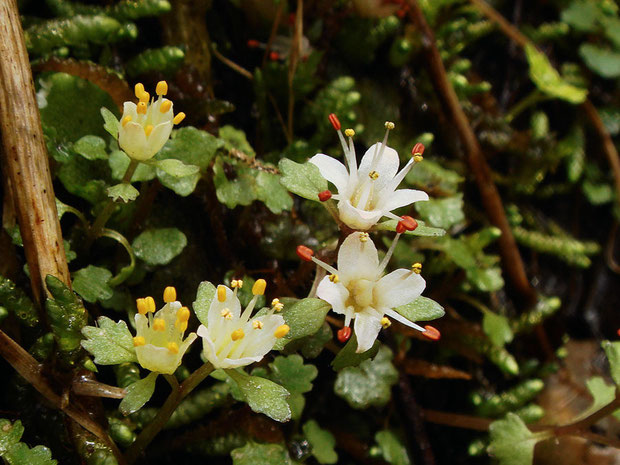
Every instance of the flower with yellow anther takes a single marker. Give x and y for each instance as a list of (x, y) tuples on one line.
[(159, 342), (233, 338), (146, 126)]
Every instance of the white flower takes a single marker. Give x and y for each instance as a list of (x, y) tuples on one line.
[(359, 290), (231, 338), (159, 340), (145, 127), (368, 193)]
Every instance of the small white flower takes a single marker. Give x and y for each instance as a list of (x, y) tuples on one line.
[(159, 340), (368, 192), (231, 338), (359, 290), (145, 127)]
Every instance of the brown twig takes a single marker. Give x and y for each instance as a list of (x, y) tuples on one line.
[(293, 60), (456, 420), (272, 33), (512, 263), (231, 64)]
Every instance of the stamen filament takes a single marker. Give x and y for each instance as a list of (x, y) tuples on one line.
[(401, 319), (330, 269), (388, 254)]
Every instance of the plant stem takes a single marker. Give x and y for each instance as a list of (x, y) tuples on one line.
[(174, 399)]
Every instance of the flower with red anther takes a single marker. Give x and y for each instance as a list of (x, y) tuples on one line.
[(417, 151), (274, 56), (305, 253), (335, 121), (409, 223), (400, 227), (432, 333), (344, 334), (325, 195), (367, 192)]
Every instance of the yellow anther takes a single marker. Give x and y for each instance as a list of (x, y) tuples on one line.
[(126, 119), (349, 132), (226, 313), (237, 334), (418, 158), (138, 341), (281, 331), (236, 283), (334, 278), (373, 175), (159, 324), (165, 106), (150, 304), (178, 118), (145, 97), (162, 88), (221, 293), (143, 307), (259, 287), (385, 322), (416, 268), (364, 237), (180, 325), (138, 89), (257, 324), (173, 347), (141, 109), (148, 130), (389, 125), (183, 314), (170, 294), (277, 305)]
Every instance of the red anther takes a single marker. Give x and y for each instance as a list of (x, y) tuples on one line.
[(418, 149), (618, 332), (274, 56), (325, 195), (344, 334), (401, 13), (291, 19), (253, 43), (431, 333), (400, 227), (335, 121), (409, 223), (305, 253)]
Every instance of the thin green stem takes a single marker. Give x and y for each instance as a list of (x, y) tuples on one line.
[(532, 98), (172, 402), (126, 271)]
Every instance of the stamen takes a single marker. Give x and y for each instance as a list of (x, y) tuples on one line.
[(221, 293), (139, 341), (226, 313), (165, 106), (334, 120), (159, 324), (257, 324), (364, 237), (150, 303), (385, 322), (148, 130), (141, 109), (344, 334), (418, 158), (126, 119), (416, 268), (178, 118), (173, 347), (162, 88), (259, 287), (349, 132), (305, 253), (277, 305), (181, 326), (418, 149), (409, 223), (170, 294), (389, 253), (253, 43), (237, 334), (325, 266), (274, 56), (138, 89), (183, 314), (145, 97), (400, 227), (373, 175), (325, 195), (143, 307), (431, 333), (389, 125), (334, 278), (236, 283), (281, 331)]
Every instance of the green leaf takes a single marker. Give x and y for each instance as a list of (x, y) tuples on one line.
[(348, 356), (91, 148), (21, 454), (392, 449), (612, 350), (431, 175), (159, 246), (175, 168), (261, 454), (512, 443), (421, 230), (10, 434), (204, 297), (486, 279), (602, 395), (110, 122), (119, 162), (322, 442), (263, 395), (181, 186), (304, 179), (92, 283), (236, 139), (124, 191), (238, 191), (138, 394), (582, 15), (111, 343), (370, 383), (612, 29), (547, 79), (272, 193), (67, 317), (191, 146), (497, 327), (305, 317), (421, 309), (602, 61), (444, 213)]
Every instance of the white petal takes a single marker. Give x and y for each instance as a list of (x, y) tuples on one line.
[(398, 288), (400, 198), (356, 218), (334, 294), (158, 137), (132, 140), (208, 347), (357, 259), (367, 326), (387, 165), (158, 359), (130, 109), (332, 170), (215, 320), (142, 325)]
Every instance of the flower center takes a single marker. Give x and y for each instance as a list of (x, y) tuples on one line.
[(360, 294)]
